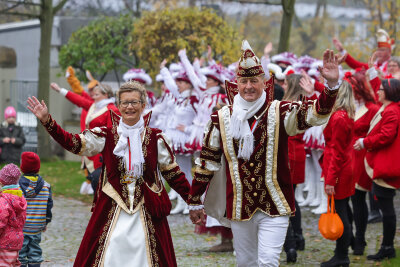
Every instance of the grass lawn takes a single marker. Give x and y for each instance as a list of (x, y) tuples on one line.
[(392, 262)]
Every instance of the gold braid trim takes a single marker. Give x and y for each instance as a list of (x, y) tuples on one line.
[(169, 167)]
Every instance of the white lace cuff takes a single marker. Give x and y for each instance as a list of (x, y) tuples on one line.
[(63, 91), (335, 87), (196, 207)]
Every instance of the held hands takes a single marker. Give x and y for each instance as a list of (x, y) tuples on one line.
[(330, 68), (55, 87), (197, 217), (38, 109), (357, 145), (329, 189)]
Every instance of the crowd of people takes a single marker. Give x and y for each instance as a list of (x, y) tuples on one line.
[(239, 146)]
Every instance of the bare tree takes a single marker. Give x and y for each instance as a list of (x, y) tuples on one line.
[(287, 18), (44, 10)]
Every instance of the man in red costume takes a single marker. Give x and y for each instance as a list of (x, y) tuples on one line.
[(244, 160), (384, 50)]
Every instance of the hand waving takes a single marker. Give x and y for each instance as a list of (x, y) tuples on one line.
[(338, 45), (330, 68), (38, 109)]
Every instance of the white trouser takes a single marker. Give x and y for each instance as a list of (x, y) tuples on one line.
[(259, 241), (185, 164)]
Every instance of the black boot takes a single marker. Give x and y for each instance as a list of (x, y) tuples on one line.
[(336, 261), (374, 216), (291, 255), (34, 265), (359, 246), (384, 252), (300, 242)]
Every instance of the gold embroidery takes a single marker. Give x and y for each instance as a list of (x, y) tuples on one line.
[(165, 168), (75, 143), (200, 170), (151, 237), (105, 233)]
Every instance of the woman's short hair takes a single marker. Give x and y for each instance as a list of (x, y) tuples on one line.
[(132, 86), (105, 89), (391, 87), (395, 60)]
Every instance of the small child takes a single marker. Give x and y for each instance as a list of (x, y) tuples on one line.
[(38, 195), (12, 216)]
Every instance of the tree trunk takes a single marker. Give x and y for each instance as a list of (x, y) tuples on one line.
[(46, 25), (286, 25)]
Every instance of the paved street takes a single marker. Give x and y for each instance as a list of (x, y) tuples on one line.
[(61, 241)]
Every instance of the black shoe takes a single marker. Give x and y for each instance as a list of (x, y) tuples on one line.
[(374, 217), (359, 246), (291, 255), (335, 261), (300, 242), (384, 252), (34, 265)]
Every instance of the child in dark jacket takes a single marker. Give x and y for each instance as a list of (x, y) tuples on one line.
[(12, 216), (38, 196)]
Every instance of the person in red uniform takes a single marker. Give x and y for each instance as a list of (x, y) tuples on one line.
[(365, 111), (337, 169), (247, 143), (384, 51), (129, 224), (381, 161), (102, 99), (297, 163)]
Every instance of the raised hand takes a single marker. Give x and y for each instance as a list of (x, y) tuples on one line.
[(306, 83), (209, 53), (38, 109), (330, 68), (372, 59), (338, 45), (55, 87), (163, 63), (267, 49)]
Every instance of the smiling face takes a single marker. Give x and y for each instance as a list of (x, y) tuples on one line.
[(251, 89), (183, 85), (381, 95), (130, 112)]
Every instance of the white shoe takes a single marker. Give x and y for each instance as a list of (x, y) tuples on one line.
[(299, 194), (86, 189), (180, 206), (172, 194)]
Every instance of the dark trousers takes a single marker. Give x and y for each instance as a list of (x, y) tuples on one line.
[(385, 203), (294, 227), (94, 178), (360, 211), (343, 210)]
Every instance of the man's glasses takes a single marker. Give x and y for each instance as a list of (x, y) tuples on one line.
[(134, 103)]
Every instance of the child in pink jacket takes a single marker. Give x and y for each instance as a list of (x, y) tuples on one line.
[(12, 216)]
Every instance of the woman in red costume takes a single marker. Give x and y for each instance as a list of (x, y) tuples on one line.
[(129, 224), (102, 99), (365, 111), (337, 168), (382, 144)]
